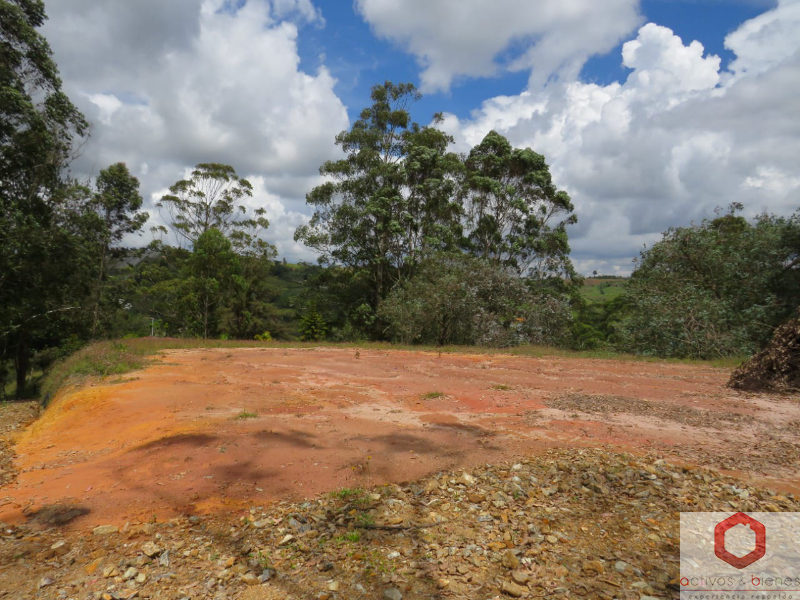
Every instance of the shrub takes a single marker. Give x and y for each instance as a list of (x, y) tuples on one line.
[(459, 299)]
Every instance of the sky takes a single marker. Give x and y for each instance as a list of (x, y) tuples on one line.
[(650, 113)]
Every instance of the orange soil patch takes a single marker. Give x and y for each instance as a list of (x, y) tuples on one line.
[(174, 438)]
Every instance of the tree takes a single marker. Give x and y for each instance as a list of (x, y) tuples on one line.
[(250, 308), (116, 201), (209, 273), (714, 289), (515, 215), (389, 200), (312, 325), (211, 198), (38, 124)]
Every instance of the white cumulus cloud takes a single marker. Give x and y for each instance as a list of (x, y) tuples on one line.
[(675, 140), (168, 85), (455, 38)]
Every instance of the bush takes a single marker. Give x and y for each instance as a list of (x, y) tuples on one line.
[(715, 289), (459, 299)]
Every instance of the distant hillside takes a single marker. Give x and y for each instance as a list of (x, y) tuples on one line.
[(603, 287)]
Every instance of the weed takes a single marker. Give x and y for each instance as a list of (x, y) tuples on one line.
[(431, 395), (350, 536), (351, 494), (501, 387), (365, 520), (246, 415)]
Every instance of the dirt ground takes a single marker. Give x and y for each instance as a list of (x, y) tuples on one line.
[(217, 430)]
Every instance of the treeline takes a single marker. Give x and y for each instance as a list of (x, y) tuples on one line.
[(417, 244)]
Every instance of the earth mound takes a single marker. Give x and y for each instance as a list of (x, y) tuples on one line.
[(777, 367)]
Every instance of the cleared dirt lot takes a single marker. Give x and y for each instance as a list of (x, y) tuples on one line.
[(204, 431)]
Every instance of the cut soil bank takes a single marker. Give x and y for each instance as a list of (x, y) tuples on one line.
[(204, 431)]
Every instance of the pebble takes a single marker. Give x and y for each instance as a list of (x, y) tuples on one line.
[(151, 549), (512, 589), (105, 530), (392, 594)]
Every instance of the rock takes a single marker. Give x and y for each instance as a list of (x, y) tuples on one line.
[(326, 566), (141, 578), (163, 560), (151, 549), (431, 486), (466, 480), (260, 524), (512, 589), (287, 539), (621, 566), (393, 554), (266, 575), (392, 594), (475, 497), (520, 577), (594, 566), (92, 567), (130, 573), (510, 561), (552, 539), (105, 530), (59, 548), (249, 578), (110, 571), (442, 583), (45, 581)]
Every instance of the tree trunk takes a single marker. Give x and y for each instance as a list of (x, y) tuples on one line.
[(22, 363), (96, 316)]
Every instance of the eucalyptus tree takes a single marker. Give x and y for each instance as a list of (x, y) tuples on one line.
[(117, 202), (390, 199), (213, 197), (514, 214)]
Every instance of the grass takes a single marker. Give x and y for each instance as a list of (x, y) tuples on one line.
[(351, 536), (348, 494), (103, 359), (602, 290), (502, 388), (431, 395), (246, 415)]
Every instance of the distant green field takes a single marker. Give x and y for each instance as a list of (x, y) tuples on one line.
[(597, 289)]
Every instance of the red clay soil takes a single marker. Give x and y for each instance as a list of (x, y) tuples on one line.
[(203, 431)]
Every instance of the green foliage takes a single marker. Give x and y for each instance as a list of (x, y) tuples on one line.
[(458, 299), (511, 203), (42, 258), (399, 196), (211, 199), (714, 289), (312, 325), (263, 337), (390, 200)]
